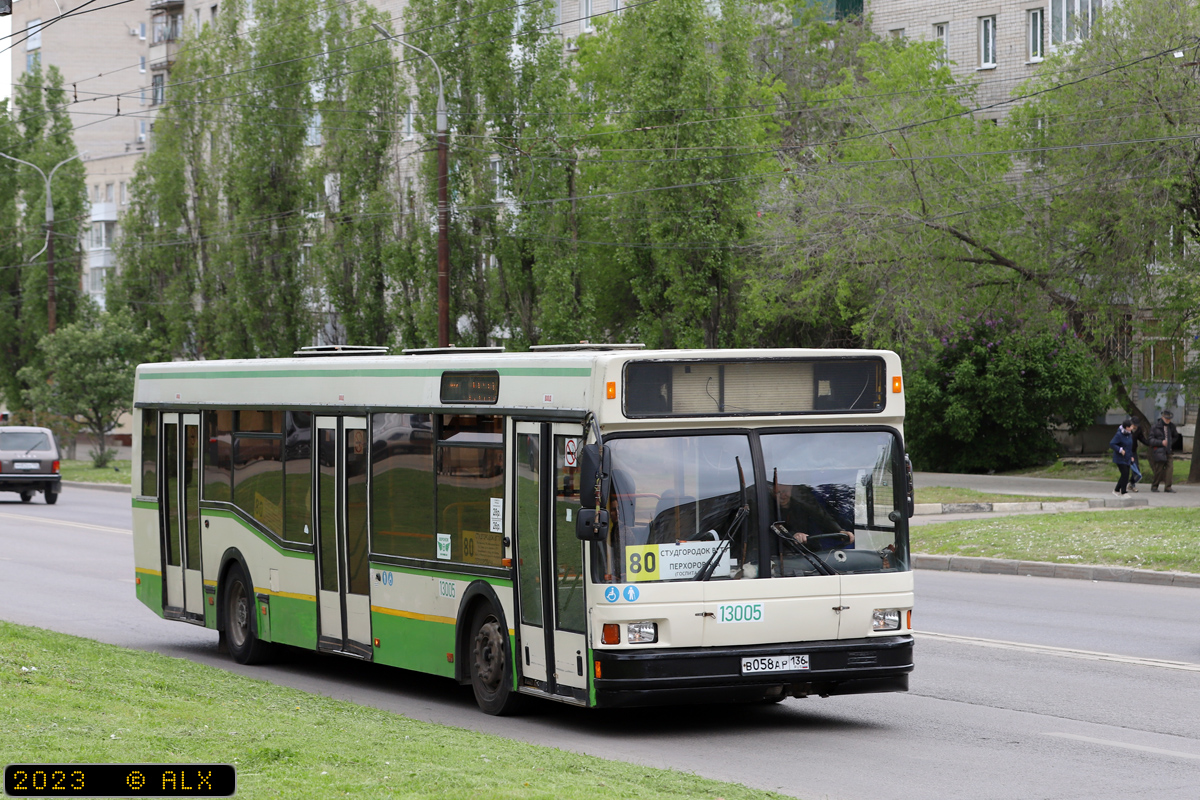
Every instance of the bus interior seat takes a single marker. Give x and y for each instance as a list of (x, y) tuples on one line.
[(674, 518)]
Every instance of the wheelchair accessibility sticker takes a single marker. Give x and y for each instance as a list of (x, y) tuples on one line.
[(612, 594)]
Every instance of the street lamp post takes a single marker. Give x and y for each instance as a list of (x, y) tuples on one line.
[(51, 304), (443, 144)]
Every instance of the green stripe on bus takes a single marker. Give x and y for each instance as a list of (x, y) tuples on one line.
[(149, 505), (553, 372), (217, 512), (149, 590), (433, 573), (413, 644)]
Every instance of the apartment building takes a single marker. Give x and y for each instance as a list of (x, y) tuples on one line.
[(997, 43)]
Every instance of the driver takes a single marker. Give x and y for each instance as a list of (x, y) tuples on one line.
[(802, 512)]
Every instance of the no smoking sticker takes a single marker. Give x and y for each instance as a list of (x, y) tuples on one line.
[(571, 458)]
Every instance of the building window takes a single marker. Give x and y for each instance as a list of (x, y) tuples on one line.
[(96, 193), (142, 64), (1072, 20), (941, 35), (1037, 25), (213, 9), (109, 193), (587, 15), (142, 31), (409, 115), (158, 89), (987, 42), (124, 193), (312, 134), (896, 34), (33, 34), (141, 135), (496, 168), (33, 61)]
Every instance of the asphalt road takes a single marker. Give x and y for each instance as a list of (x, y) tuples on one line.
[(1025, 687)]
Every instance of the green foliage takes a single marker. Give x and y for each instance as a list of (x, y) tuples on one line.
[(989, 396), (679, 146), (88, 372), (38, 130)]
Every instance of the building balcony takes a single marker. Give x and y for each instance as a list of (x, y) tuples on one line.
[(162, 54), (104, 212), (162, 5), (101, 259)]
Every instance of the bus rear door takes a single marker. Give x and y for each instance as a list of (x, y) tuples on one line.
[(343, 576), (179, 499)]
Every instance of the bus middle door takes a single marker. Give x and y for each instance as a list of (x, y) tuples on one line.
[(343, 577), (551, 611)]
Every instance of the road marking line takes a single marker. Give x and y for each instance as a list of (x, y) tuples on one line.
[(1064, 652), (1141, 747), (48, 520)]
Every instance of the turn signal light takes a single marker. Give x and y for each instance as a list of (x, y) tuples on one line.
[(597, 669), (611, 633), (55, 467), (910, 619), (896, 385), (611, 390)]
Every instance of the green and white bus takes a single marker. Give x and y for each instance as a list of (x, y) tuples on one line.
[(600, 525)]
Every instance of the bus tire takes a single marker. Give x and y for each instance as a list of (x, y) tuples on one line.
[(241, 622), (491, 664)]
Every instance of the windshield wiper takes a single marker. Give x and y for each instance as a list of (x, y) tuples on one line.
[(780, 530), (743, 511)]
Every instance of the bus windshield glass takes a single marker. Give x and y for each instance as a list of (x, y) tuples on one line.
[(833, 498), (686, 508)]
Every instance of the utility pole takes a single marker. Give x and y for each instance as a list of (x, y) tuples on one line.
[(443, 158), (51, 301)]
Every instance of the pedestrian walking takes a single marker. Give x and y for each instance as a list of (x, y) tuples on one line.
[(1161, 442), (1122, 447), (1138, 434)]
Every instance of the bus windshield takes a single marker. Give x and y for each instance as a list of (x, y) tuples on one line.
[(687, 507)]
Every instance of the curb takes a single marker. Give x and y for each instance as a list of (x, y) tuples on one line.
[(104, 487), (1046, 569), (927, 509)]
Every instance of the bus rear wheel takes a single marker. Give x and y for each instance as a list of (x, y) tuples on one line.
[(491, 665), (241, 623)]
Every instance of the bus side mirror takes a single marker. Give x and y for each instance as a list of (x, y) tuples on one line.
[(590, 471), (591, 525), (908, 473)]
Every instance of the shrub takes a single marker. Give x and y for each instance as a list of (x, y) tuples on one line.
[(989, 396)]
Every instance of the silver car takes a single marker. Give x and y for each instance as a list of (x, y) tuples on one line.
[(29, 462)]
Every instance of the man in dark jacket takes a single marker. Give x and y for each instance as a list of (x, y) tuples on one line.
[(1162, 437), (1122, 447)]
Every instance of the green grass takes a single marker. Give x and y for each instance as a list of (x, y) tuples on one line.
[(949, 494), (83, 471), (86, 702), (1103, 470), (1158, 538)]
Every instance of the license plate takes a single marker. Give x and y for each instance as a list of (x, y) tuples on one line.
[(30, 465), (774, 664)]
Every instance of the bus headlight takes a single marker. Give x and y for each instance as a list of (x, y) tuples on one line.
[(643, 632), (885, 619)]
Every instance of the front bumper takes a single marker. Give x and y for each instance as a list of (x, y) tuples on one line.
[(701, 674), (19, 482)]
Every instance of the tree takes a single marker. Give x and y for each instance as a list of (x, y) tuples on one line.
[(675, 151), (991, 394), (88, 371), (40, 133)]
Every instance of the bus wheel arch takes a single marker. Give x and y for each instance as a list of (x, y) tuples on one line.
[(482, 625), (235, 595)]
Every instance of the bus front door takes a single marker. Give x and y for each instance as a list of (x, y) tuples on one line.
[(343, 586), (552, 643), (179, 501)]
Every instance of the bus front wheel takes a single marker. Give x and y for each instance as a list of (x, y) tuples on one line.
[(491, 665), (241, 623)]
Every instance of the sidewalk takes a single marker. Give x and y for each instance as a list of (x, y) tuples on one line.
[(1183, 497)]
